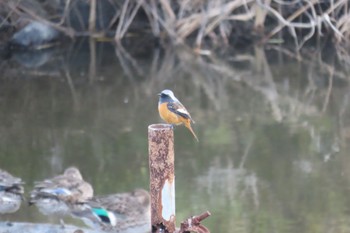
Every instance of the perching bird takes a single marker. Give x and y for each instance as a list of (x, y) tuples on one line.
[(120, 212), (57, 196), (172, 111), (11, 192)]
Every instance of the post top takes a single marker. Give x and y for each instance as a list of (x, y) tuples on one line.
[(156, 127)]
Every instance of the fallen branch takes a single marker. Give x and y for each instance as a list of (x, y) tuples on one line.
[(193, 224)]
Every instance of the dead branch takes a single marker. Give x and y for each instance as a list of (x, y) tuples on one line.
[(193, 224)]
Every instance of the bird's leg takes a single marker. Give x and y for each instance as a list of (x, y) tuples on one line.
[(171, 125)]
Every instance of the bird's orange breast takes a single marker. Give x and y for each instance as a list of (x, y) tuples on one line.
[(169, 116)]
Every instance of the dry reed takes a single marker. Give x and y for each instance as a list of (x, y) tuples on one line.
[(216, 20)]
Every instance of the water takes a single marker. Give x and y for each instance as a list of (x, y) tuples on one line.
[(272, 155)]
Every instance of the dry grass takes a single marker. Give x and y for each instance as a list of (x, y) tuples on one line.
[(216, 20)]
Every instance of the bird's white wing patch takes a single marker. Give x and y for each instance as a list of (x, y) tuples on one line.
[(182, 110)]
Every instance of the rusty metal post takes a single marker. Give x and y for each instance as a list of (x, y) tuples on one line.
[(162, 177)]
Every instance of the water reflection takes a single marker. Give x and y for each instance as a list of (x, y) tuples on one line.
[(273, 129)]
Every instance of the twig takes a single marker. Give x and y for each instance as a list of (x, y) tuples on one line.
[(260, 15), (289, 19), (92, 16), (124, 22), (65, 12), (186, 26)]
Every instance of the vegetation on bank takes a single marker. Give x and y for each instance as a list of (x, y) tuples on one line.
[(214, 21)]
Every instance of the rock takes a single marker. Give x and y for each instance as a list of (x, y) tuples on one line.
[(35, 35)]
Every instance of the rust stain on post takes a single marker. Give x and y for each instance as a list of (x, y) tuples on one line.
[(162, 178)]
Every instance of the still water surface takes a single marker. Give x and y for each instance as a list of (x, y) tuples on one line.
[(272, 155)]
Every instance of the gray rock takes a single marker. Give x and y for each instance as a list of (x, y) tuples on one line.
[(35, 34)]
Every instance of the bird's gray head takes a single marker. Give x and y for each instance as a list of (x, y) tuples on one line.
[(167, 96)]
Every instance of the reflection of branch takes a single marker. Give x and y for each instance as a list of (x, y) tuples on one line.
[(206, 75), (127, 62), (92, 66), (268, 89), (212, 73), (246, 152), (329, 90), (309, 59), (167, 67), (71, 88), (344, 56), (344, 131)]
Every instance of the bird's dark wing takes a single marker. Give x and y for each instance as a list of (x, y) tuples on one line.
[(179, 109)]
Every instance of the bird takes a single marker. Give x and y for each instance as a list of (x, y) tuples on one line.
[(119, 212), (11, 192), (58, 195), (172, 111)]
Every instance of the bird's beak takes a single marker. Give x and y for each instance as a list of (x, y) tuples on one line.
[(158, 94)]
